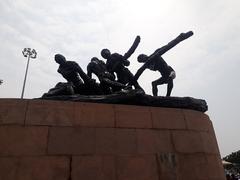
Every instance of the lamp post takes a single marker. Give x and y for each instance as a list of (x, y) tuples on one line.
[(28, 53)]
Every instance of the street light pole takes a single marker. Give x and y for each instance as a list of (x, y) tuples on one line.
[(27, 52)]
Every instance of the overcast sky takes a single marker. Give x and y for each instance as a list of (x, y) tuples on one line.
[(206, 64)]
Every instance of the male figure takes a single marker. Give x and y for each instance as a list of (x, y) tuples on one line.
[(155, 62), (116, 64), (107, 80), (74, 74)]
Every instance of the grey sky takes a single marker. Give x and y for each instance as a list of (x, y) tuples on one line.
[(206, 64)]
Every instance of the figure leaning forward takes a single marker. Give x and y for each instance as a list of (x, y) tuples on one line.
[(155, 62), (77, 80), (116, 63), (107, 79)]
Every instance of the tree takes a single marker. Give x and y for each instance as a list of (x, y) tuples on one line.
[(233, 157)]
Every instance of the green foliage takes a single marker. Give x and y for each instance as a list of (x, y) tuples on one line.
[(233, 157)]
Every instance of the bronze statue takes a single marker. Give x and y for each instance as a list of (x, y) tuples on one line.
[(155, 62), (81, 87), (117, 63), (107, 80), (73, 73)]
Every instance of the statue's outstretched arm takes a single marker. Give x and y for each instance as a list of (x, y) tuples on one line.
[(141, 69), (82, 74), (171, 44), (132, 48)]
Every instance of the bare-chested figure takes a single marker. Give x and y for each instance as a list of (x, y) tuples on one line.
[(155, 62), (116, 63), (107, 80), (73, 73)]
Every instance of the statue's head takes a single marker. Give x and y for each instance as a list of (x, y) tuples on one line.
[(105, 53), (142, 58), (60, 59), (94, 59)]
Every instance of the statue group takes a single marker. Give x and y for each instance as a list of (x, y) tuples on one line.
[(114, 75)]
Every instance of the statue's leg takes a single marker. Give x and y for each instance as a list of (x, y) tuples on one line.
[(136, 85), (86, 79), (131, 80), (169, 87), (155, 83)]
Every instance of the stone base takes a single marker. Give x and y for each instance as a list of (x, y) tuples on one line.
[(57, 140)]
